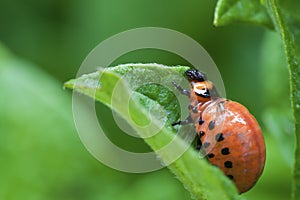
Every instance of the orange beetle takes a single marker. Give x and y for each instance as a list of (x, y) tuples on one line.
[(228, 135)]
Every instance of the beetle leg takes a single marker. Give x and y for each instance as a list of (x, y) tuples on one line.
[(180, 89), (199, 143), (188, 120)]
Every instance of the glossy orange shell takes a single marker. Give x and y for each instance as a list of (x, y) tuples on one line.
[(231, 140)]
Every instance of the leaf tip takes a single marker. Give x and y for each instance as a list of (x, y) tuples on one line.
[(69, 84)]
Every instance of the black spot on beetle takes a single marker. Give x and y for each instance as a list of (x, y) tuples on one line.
[(206, 144), (230, 177), (219, 137), (228, 164), (201, 133), (225, 151), (200, 121), (195, 109), (211, 125), (210, 155)]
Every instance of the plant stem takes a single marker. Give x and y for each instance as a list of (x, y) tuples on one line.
[(294, 72)]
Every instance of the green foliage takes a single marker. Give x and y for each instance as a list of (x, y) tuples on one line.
[(199, 177), (41, 154), (285, 26), (277, 116), (31, 143), (228, 11), (285, 18)]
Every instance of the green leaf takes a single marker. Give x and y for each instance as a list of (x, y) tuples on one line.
[(277, 115), (285, 23), (250, 11), (145, 104)]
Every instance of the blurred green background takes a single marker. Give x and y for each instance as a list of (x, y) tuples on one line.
[(43, 44)]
